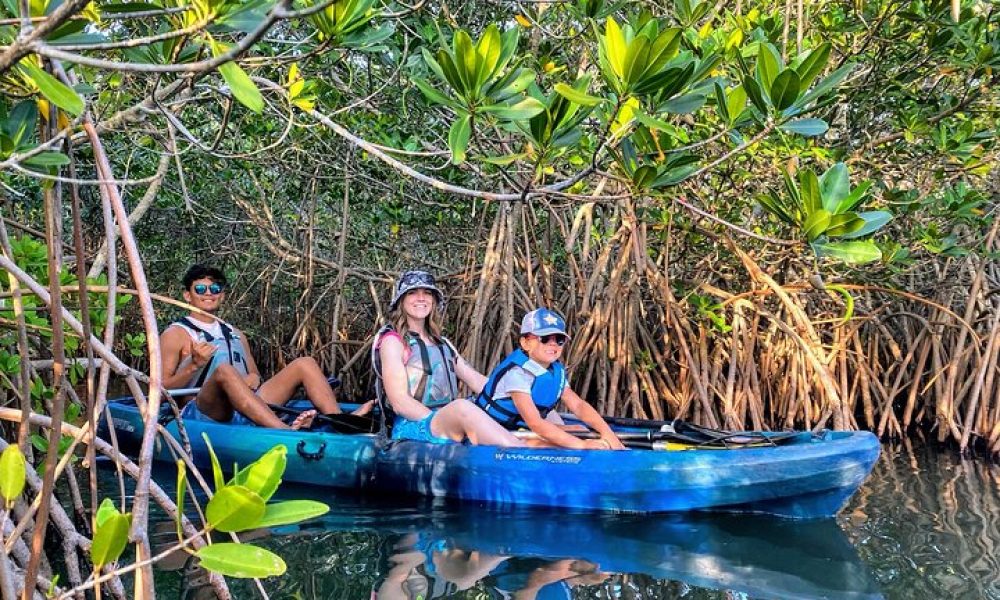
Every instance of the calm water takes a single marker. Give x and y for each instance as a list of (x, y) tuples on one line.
[(925, 526)]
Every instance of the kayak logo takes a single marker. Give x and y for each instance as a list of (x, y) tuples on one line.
[(549, 458)]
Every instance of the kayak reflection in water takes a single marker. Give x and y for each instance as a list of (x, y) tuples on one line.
[(423, 569)]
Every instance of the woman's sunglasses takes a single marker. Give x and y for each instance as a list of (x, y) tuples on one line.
[(559, 339), (201, 289)]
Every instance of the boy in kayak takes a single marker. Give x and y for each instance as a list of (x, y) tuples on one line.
[(204, 352), (524, 389)]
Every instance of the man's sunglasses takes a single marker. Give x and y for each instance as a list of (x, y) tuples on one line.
[(201, 289), (559, 339)]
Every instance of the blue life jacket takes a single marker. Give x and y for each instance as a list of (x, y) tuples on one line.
[(228, 349), (545, 390)]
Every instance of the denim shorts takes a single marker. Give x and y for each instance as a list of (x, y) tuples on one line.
[(405, 429), (190, 412)]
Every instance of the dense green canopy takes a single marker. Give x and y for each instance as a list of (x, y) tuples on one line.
[(772, 215)]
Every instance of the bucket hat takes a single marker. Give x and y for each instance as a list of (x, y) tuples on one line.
[(543, 321), (415, 280)]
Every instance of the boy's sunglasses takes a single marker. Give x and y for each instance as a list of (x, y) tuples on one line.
[(559, 339), (201, 289)]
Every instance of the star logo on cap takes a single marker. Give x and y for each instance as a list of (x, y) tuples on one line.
[(551, 319)]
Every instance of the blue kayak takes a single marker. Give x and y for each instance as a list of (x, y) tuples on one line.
[(809, 476)]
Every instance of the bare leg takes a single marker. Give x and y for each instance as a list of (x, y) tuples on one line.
[(462, 419), (305, 372), (225, 391)]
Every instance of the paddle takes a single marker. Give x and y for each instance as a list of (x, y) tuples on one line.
[(339, 423), (683, 435)]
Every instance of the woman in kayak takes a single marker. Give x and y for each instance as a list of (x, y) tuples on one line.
[(524, 389), (417, 373)]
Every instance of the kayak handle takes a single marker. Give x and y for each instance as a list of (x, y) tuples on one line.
[(317, 455)]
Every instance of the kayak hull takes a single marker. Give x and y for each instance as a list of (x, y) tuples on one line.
[(811, 476)]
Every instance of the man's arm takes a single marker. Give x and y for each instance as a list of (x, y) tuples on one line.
[(175, 345)]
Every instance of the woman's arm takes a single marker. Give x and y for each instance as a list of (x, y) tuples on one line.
[(468, 375), (394, 379)]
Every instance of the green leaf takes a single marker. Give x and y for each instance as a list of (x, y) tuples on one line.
[(21, 122), (810, 127), (506, 159), (834, 186), (816, 224), (105, 511), (574, 95), (234, 508), (433, 95), (785, 89), (752, 89), (825, 85), (458, 137), (682, 105), (736, 102), (813, 64), (721, 104), (849, 252), (293, 511), (47, 159), (525, 109), (848, 300), (264, 474), (614, 42), (844, 224), (181, 491), (809, 191), (874, 220), (219, 480), (12, 473), (773, 205), (56, 91), (855, 197), (110, 539), (465, 60), (243, 88), (240, 560), (488, 55), (635, 60), (768, 65)]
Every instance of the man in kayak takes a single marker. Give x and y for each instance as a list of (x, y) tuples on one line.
[(204, 352), (524, 389)]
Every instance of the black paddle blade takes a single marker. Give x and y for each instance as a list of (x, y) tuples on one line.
[(347, 423)]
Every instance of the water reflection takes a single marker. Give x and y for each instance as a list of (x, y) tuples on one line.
[(928, 524), (392, 550)]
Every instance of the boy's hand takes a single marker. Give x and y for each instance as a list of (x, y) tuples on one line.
[(613, 442)]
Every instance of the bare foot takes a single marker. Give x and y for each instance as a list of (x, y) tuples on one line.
[(364, 409), (304, 420)]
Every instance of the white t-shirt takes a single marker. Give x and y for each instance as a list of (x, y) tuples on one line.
[(214, 329), (518, 379)]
